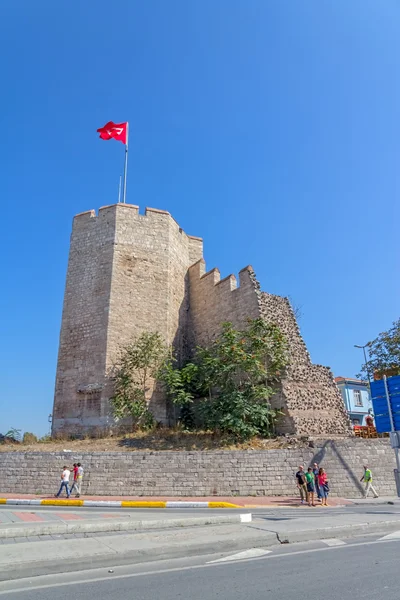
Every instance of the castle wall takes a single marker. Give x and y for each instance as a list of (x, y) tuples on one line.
[(148, 291), (127, 274), (309, 397), (83, 337), (214, 301)]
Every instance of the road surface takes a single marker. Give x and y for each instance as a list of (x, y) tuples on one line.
[(364, 568)]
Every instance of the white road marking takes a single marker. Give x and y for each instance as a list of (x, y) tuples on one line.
[(391, 536), (333, 542), (251, 553), (246, 518)]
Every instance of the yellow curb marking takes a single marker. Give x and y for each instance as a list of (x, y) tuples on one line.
[(223, 505)]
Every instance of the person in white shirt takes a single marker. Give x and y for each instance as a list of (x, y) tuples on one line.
[(64, 482)]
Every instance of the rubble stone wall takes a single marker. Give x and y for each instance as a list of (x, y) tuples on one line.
[(309, 397)]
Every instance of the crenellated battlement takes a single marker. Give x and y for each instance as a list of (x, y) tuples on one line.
[(110, 214), (130, 272), (213, 277), (214, 300)]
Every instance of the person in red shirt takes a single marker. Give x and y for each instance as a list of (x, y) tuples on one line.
[(369, 421), (323, 486), (75, 471)]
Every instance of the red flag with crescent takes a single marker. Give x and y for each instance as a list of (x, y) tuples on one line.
[(118, 131)]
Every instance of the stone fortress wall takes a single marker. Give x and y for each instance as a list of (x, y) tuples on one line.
[(129, 273), (126, 274)]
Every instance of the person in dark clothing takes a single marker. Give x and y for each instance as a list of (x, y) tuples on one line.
[(301, 484), (316, 473)]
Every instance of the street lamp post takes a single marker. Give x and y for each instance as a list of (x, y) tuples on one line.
[(365, 359), (367, 367)]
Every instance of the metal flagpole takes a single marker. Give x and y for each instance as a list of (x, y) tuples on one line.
[(126, 162), (119, 190)]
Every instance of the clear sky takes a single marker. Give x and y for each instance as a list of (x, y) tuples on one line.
[(268, 127)]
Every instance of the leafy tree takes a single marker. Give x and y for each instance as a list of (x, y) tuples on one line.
[(384, 353), (12, 435), (138, 364), (235, 378)]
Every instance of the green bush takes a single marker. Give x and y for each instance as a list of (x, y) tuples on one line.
[(233, 380), (29, 438)]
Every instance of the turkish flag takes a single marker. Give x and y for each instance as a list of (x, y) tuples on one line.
[(118, 131)]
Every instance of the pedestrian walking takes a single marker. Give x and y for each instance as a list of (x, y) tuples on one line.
[(75, 472), (310, 479), (302, 484), (64, 482), (79, 478), (316, 473), (367, 478), (323, 486)]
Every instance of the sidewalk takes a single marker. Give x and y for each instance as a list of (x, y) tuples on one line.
[(179, 501)]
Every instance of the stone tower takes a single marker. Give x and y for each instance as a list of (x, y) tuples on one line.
[(129, 273)]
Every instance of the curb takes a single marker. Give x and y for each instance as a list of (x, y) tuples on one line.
[(115, 503), (40, 529)]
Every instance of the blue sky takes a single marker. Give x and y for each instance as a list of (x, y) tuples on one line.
[(270, 128)]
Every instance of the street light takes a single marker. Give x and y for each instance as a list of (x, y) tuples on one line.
[(366, 366), (365, 358)]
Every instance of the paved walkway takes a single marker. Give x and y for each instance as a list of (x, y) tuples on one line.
[(8, 517), (245, 501)]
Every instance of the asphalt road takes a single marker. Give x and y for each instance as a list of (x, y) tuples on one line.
[(366, 569)]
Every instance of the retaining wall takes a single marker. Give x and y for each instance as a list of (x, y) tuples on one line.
[(220, 473)]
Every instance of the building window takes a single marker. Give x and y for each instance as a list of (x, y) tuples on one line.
[(357, 398)]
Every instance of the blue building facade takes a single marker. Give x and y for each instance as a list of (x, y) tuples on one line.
[(356, 397)]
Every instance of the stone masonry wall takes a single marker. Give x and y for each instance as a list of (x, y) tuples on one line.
[(214, 300), (127, 273), (309, 397), (149, 291), (83, 337), (223, 473)]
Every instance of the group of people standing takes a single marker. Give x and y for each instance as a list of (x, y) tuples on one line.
[(314, 481), (77, 470)]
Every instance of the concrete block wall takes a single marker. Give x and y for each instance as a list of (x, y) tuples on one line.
[(220, 473)]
